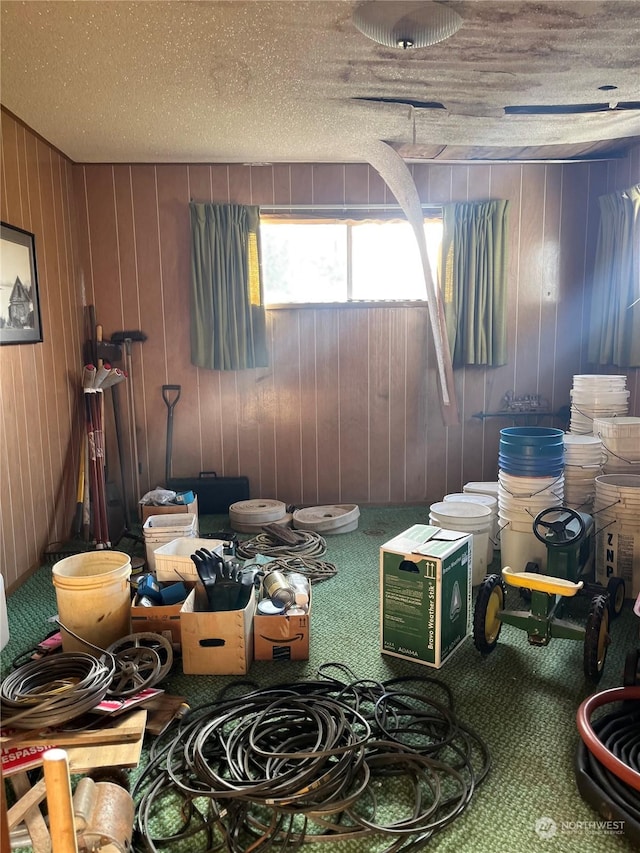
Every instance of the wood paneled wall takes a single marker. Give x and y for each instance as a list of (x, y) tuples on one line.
[(348, 409), (622, 174), (39, 403)]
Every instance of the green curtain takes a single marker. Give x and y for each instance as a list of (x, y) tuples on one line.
[(473, 279), (615, 299), (228, 327)]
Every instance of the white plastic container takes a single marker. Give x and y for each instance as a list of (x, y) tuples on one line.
[(158, 530), (173, 559), (484, 500), (488, 488), (93, 598), (467, 517)]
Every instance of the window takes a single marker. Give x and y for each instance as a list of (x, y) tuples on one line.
[(307, 260)]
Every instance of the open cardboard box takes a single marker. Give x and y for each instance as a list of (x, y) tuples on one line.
[(282, 637), (215, 643), (165, 509), (160, 619)]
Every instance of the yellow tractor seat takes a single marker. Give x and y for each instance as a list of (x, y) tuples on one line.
[(541, 583)]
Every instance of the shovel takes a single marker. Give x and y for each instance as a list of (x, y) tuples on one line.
[(170, 395)]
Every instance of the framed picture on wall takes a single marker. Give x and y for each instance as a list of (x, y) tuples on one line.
[(19, 298)]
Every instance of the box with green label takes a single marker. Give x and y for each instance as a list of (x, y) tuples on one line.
[(425, 594)]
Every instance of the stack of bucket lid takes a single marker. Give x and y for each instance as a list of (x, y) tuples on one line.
[(621, 442), (530, 479), (596, 396), (467, 517), (617, 509), (160, 529), (583, 461)]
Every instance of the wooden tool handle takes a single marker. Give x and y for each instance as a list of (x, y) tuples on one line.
[(59, 802)]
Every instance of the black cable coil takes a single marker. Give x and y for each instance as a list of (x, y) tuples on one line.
[(312, 761), (50, 692)]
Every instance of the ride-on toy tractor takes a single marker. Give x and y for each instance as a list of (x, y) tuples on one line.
[(569, 537)]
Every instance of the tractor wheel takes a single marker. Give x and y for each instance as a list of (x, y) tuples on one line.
[(596, 638), (616, 591), (486, 623)]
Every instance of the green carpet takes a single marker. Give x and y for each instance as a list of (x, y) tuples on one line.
[(522, 700)]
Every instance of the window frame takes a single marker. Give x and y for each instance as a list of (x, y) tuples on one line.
[(349, 215)]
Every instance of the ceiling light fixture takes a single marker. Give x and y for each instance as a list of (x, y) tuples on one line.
[(394, 23)]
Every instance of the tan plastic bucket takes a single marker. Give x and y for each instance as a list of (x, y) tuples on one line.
[(93, 598)]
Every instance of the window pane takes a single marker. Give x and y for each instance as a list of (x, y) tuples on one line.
[(304, 262), (386, 261)]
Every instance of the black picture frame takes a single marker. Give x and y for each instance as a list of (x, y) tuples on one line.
[(20, 321)]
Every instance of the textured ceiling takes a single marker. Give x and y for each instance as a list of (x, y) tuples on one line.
[(287, 81)]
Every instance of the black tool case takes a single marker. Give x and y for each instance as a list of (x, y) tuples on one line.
[(215, 494)]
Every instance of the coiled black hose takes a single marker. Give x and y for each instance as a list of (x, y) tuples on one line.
[(608, 744), (50, 692), (313, 761)]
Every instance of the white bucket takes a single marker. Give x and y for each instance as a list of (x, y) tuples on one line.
[(468, 518), (523, 523), (490, 488), (485, 500), (617, 509), (93, 598), (519, 548)]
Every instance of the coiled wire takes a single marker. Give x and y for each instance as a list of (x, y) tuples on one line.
[(50, 692), (310, 544), (314, 570), (313, 761)]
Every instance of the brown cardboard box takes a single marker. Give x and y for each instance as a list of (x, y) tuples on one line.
[(282, 637), (215, 643), (162, 619), (146, 509)]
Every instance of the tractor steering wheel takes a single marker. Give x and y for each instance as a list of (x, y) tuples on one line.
[(559, 527)]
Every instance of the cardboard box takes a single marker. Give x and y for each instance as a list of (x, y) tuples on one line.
[(282, 637), (161, 619), (216, 643), (146, 509), (425, 594), (173, 559)]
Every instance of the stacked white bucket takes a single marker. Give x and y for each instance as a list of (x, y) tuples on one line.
[(596, 396), (583, 462), (617, 512), (467, 517), (530, 479), (520, 499)]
